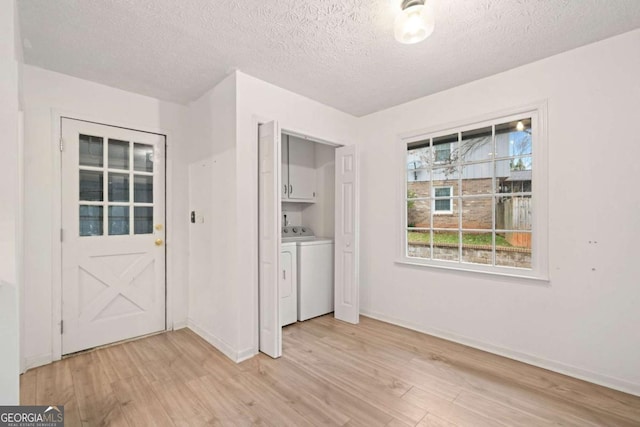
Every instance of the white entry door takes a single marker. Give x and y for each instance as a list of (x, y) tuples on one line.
[(113, 253), (347, 278), (269, 240)]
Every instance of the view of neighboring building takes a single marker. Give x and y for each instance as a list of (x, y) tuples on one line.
[(467, 186)]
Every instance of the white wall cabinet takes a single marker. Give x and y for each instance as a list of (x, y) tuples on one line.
[(298, 169)]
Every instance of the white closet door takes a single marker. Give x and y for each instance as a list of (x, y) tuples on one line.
[(269, 241), (347, 292)]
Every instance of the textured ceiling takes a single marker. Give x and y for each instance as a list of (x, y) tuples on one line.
[(339, 52)]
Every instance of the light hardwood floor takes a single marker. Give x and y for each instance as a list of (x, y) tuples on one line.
[(331, 373)]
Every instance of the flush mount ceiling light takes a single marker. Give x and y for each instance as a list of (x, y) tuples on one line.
[(415, 22)]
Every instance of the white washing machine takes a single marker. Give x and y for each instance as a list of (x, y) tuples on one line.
[(315, 271), (288, 283)]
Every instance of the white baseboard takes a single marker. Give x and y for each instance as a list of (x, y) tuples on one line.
[(220, 344), (181, 324), (552, 365), (246, 354), (35, 361)]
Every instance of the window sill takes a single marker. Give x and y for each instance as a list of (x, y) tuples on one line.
[(474, 270)]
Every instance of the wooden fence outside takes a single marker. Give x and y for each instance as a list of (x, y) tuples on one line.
[(514, 213)]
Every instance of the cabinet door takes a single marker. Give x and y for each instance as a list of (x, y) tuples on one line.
[(284, 187), (302, 169)]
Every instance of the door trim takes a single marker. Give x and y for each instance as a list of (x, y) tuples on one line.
[(56, 280)]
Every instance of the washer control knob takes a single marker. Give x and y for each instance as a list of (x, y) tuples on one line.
[(295, 230)]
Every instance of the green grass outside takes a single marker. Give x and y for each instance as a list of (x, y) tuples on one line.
[(467, 238)]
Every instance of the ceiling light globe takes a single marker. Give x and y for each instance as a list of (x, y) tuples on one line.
[(414, 23)]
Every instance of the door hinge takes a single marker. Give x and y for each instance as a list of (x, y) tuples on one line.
[(61, 235), (61, 144), (61, 327)]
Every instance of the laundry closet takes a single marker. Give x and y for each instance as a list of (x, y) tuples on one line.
[(306, 282), (308, 232)]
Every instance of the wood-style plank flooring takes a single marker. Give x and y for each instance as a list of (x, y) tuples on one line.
[(331, 373)]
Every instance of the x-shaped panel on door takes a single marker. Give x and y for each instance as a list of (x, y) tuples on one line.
[(116, 286)]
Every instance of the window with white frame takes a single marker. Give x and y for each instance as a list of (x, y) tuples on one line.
[(472, 197), (441, 198), (442, 152)]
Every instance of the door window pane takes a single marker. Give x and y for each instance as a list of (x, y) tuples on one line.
[(118, 187), (143, 217), (143, 157), (90, 220), (118, 220), (91, 186), (143, 189), (91, 153), (118, 154)]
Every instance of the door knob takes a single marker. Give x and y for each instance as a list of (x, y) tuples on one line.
[(158, 227), (159, 242)]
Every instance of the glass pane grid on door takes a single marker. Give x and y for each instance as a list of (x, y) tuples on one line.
[(115, 187)]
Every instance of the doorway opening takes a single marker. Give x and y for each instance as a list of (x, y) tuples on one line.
[(308, 232)]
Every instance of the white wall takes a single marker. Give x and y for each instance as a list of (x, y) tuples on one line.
[(212, 195), (10, 223), (585, 321), (261, 101), (43, 92), (223, 190), (293, 211), (320, 216)]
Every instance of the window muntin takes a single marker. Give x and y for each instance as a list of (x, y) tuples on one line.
[(484, 183)]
